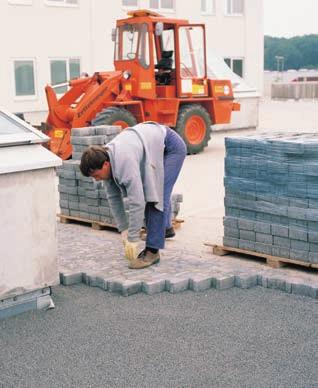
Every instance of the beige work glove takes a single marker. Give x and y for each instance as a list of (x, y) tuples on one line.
[(131, 249)]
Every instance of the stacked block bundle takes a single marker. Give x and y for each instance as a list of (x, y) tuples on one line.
[(271, 195), (81, 138), (83, 197), (80, 196)]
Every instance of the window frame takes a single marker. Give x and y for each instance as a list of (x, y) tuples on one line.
[(67, 60), (20, 2), (164, 10), (129, 6), (28, 97), (63, 3), (167, 33), (234, 14), (206, 13), (236, 59)]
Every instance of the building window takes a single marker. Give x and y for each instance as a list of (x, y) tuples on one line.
[(20, 2), (236, 65), (208, 7), (235, 7), (63, 70), (163, 5), (130, 3), (24, 77), (62, 2)]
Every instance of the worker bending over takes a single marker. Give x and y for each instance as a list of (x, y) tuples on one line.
[(142, 163)]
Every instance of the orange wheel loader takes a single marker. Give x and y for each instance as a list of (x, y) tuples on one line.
[(160, 75)]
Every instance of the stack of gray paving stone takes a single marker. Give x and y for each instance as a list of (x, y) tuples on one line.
[(81, 138), (271, 195), (80, 196), (83, 197)]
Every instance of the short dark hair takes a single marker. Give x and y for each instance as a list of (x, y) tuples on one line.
[(93, 159)]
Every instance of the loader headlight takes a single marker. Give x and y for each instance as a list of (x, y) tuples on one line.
[(126, 74)]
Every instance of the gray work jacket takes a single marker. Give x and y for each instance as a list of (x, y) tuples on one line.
[(136, 158)]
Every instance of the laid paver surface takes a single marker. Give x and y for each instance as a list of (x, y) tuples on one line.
[(96, 258)]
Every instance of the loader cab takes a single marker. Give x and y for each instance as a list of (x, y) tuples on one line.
[(146, 51), (161, 57)]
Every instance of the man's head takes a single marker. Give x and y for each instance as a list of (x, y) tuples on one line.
[(95, 163)]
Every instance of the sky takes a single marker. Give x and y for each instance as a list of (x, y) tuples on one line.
[(287, 18)]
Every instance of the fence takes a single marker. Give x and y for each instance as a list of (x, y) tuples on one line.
[(295, 90)]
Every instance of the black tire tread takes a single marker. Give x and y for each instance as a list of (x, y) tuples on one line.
[(106, 116), (184, 112)]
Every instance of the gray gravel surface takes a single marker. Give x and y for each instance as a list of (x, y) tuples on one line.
[(232, 338)]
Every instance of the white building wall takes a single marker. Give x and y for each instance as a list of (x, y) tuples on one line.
[(39, 31), (254, 43), (43, 31)]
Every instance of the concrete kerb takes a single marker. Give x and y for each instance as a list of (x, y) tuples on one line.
[(195, 282)]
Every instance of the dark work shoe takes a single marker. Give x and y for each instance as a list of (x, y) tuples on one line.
[(170, 232)]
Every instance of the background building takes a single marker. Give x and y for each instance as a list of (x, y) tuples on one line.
[(50, 41), (307, 76)]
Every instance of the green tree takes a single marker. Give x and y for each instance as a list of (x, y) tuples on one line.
[(298, 52)]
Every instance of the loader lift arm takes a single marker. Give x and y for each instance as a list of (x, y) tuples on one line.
[(85, 98)]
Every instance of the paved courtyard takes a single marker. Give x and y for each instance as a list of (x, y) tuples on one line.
[(96, 257)]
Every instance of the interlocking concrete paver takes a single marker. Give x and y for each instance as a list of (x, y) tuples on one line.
[(69, 279), (246, 280), (177, 284), (154, 286), (297, 287), (200, 282), (223, 281), (96, 259), (275, 282)]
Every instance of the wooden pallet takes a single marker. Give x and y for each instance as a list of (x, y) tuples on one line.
[(94, 224), (102, 225), (272, 261)]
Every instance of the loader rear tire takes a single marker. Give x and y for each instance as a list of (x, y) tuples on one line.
[(115, 116), (194, 126)]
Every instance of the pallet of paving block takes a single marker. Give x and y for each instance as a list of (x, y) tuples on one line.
[(97, 225), (272, 261)]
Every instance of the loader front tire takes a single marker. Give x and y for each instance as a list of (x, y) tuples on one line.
[(194, 126), (115, 116)]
